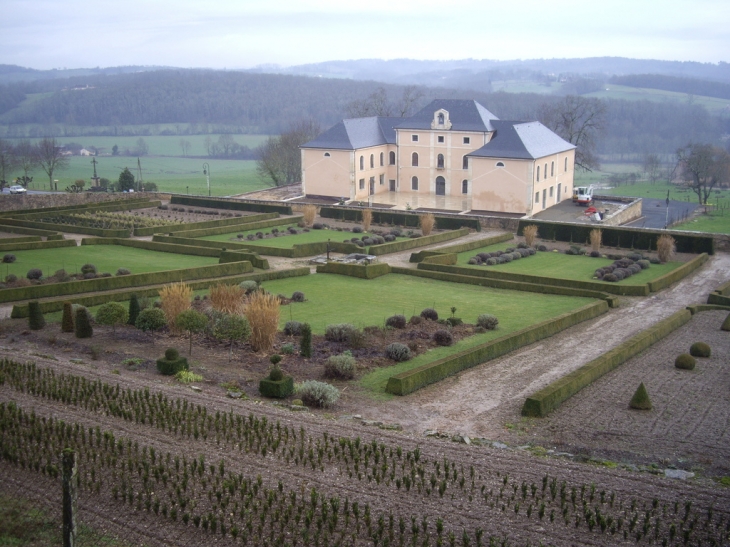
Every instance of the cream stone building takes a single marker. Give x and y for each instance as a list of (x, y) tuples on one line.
[(453, 149)]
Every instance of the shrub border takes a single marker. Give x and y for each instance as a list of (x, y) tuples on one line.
[(204, 224), (549, 398), (363, 271), (412, 380), (462, 247), (232, 204), (405, 244)]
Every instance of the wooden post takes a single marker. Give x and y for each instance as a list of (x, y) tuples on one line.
[(70, 489)]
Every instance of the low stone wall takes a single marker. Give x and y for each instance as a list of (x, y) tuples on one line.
[(12, 202), (630, 212)]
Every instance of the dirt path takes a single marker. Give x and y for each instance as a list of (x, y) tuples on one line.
[(480, 401)]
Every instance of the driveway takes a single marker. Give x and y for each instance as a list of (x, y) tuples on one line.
[(654, 213)]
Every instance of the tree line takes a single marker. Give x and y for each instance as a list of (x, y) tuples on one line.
[(691, 86)]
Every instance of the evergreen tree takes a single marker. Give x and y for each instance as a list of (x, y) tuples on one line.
[(83, 324), (134, 309), (126, 180), (67, 321), (35, 316), (306, 344)]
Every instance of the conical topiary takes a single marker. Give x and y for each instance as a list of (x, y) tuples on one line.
[(35, 316), (133, 309), (305, 348), (726, 323), (67, 321), (83, 328), (640, 400)]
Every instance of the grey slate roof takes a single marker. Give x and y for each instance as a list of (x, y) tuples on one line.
[(355, 133), (521, 140), (464, 115)]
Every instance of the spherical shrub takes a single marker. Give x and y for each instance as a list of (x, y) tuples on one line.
[(487, 321), (655, 260), (634, 268), (643, 263), (357, 230), (287, 349), (509, 250), (516, 255), (317, 226), (685, 361), (595, 254), (340, 332), (340, 366), (11, 278), (88, 268), (443, 337), (239, 236), (430, 314), (700, 349), (318, 394), (397, 352), (9, 258), (150, 319), (123, 271), (532, 251), (275, 374), (389, 237), (275, 359), (396, 321), (395, 232), (259, 235), (599, 273), (171, 354), (454, 321), (618, 273), (491, 262), (368, 241), (298, 296), (34, 273), (522, 245), (542, 248), (610, 278), (634, 256), (90, 275), (293, 328), (524, 253), (415, 320), (506, 258), (473, 261), (379, 240), (483, 256), (360, 243), (249, 286)]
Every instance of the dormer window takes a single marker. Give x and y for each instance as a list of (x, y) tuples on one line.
[(441, 120)]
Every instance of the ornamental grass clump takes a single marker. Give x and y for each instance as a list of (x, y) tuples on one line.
[(340, 366), (685, 361), (175, 299), (262, 312), (665, 248), (318, 394), (595, 236), (427, 222), (530, 233), (309, 212), (367, 219), (226, 298), (640, 400), (700, 349)]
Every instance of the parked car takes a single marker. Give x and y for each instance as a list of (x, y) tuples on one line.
[(17, 189)]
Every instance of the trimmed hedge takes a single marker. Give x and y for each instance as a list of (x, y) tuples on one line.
[(278, 389), (412, 380), (723, 289), (405, 244), (67, 228), (697, 308), (33, 245), (613, 301), (203, 224), (154, 246), (95, 299), (677, 274), (242, 227), (462, 247), (620, 289), (123, 281), (449, 259), (237, 256), (21, 239), (110, 207), (363, 271), (552, 396), (718, 299), (80, 207), (296, 251), (230, 204), (28, 231), (615, 236), (400, 218)]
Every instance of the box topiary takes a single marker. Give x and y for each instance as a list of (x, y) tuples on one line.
[(276, 384), (685, 361), (640, 400), (699, 349), (82, 323), (171, 363)]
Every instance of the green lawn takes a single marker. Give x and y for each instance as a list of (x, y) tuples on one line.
[(287, 241), (105, 257), (712, 222), (171, 174), (562, 266), (612, 91)]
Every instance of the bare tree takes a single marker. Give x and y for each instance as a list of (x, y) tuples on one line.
[(703, 167), (50, 158), (580, 121), (378, 104), (280, 159), (27, 156), (8, 162), (185, 145), (651, 167), (411, 96)]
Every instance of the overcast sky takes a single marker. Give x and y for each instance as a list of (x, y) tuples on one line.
[(47, 34)]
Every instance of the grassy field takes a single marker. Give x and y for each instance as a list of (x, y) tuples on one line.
[(178, 175), (287, 241), (712, 222), (104, 257), (562, 266), (611, 91)]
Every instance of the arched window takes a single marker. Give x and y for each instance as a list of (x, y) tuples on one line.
[(566, 165), (382, 159), (500, 164), (414, 183), (414, 159), (552, 168), (392, 158), (464, 186), (362, 163), (326, 154), (465, 162), (440, 161), (545, 172), (441, 118), (372, 161), (538, 173)]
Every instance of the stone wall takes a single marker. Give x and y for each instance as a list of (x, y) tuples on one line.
[(631, 210), (11, 202)]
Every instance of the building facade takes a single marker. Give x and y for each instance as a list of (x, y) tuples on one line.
[(451, 148)]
